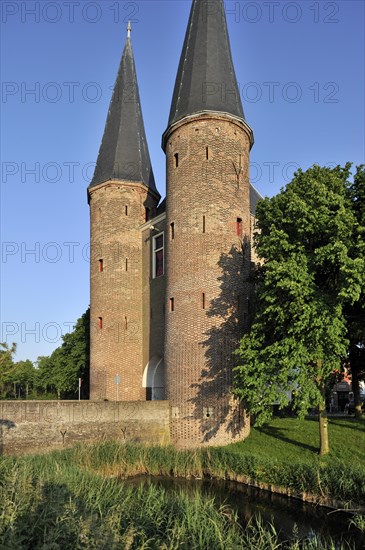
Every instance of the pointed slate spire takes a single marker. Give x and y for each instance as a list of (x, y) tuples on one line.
[(124, 152), (206, 79)]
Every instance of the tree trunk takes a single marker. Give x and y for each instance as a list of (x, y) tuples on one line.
[(323, 424), (14, 385)]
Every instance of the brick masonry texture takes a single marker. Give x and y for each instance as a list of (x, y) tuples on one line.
[(117, 210), (39, 426), (208, 264), (208, 260)]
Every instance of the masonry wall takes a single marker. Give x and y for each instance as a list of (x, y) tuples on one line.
[(153, 299), (117, 211), (208, 262), (39, 426)]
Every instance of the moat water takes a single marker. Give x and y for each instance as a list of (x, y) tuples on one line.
[(288, 515)]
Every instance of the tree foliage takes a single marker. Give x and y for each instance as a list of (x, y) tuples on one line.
[(7, 365), (69, 362), (309, 240), (53, 376), (355, 313)]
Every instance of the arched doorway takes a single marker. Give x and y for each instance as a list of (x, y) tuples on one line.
[(154, 379)]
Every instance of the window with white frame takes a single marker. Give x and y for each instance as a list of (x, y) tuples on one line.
[(158, 255)]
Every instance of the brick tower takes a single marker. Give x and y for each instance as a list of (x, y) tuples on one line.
[(207, 145), (122, 196)]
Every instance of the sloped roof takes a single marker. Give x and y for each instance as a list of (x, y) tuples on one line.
[(206, 79), (124, 152)]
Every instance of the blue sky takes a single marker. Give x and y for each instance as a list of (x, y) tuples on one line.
[(300, 67)]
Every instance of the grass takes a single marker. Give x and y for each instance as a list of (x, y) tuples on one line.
[(74, 499), (296, 440), (283, 453), (49, 502)]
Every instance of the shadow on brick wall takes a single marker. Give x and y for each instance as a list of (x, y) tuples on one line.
[(4, 425), (230, 315)]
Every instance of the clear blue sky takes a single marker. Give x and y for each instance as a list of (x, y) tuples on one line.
[(300, 66)]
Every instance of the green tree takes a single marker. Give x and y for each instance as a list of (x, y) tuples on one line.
[(7, 365), (355, 313), (44, 377), (69, 362), (22, 378), (309, 274)]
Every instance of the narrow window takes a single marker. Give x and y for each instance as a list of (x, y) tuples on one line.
[(176, 156), (158, 256), (172, 304), (101, 266), (100, 322), (203, 224), (126, 322), (126, 264), (126, 210), (172, 231), (239, 227), (203, 300), (207, 153)]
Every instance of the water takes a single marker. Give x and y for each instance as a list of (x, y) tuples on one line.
[(286, 514)]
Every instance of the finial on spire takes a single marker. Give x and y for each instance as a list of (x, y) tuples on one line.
[(129, 28)]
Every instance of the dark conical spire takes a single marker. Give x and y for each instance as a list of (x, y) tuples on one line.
[(124, 152), (206, 80)]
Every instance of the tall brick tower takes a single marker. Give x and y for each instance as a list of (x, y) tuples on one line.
[(207, 145), (122, 196)]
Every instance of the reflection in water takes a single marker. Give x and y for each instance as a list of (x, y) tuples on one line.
[(286, 514)]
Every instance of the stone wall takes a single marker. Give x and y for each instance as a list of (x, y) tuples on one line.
[(38, 426)]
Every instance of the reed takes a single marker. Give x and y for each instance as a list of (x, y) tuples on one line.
[(51, 502)]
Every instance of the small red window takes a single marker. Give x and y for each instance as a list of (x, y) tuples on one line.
[(203, 300), (172, 304), (100, 322), (239, 227), (101, 266)]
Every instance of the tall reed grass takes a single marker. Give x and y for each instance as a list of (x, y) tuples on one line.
[(66, 500)]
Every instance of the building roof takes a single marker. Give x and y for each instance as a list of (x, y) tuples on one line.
[(206, 79), (255, 196), (124, 152)]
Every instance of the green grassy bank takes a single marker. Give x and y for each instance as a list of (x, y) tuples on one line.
[(71, 499), (282, 453)]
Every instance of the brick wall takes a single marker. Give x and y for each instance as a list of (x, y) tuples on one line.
[(38, 426), (207, 160), (117, 210), (153, 298)]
